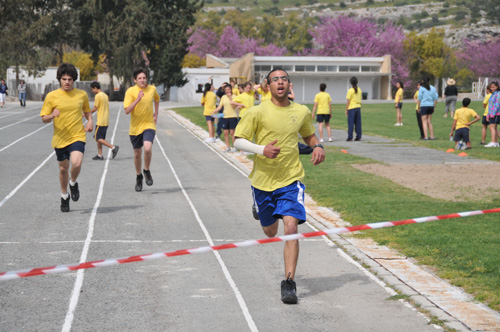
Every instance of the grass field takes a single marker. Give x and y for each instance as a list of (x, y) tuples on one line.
[(463, 251)]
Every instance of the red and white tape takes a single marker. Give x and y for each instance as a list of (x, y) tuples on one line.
[(116, 261)]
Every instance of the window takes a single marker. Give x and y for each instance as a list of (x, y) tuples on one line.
[(353, 68), (327, 68), (310, 68), (265, 68), (343, 68), (300, 68)]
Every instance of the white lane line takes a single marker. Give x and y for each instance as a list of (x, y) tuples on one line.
[(13, 192), (20, 139), (75, 294), (239, 297), (13, 124), (17, 113)]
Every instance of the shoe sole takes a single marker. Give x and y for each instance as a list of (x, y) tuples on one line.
[(289, 299), (115, 152)]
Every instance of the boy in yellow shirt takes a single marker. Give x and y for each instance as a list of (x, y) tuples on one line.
[(277, 171), (245, 100), (65, 107), (101, 105), (138, 102), (323, 103), (461, 123)]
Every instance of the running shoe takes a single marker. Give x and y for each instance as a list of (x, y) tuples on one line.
[(349, 140), (288, 291), (65, 204), (210, 140), (75, 193), (97, 157), (115, 151), (330, 139), (227, 150), (149, 178), (321, 140), (491, 145), (254, 213), (138, 182), (234, 149)]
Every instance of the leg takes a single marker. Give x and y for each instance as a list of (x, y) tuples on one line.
[(291, 251), (99, 147), (446, 107), (424, 125), (483, 133), (138, 160), (148, 153), (76, 158), (210, 125), (357, 121), (429, 125), (328, 130), (231, 132), (271, 230), (102, 142), (350, 123), (320, 129), (452, 106), (399, 116), (226, 138), (420, 127), (63, 175)]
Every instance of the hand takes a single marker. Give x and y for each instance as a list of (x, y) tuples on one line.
[(140, 95), (155, 116), (55, 113), (318, 156), (89, 126), (271, 151)]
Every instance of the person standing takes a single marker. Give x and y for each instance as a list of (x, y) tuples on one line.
[(21, 89), (101, 105), (244, 100), (64, 108), (275, 125), (353, 110), (450, 93), (398, 103), (3, 93), (138, 102), (230, 120), (323, 103), (234, 88), (209, 103), (427, 100), (493, 116), (417, 111), (485, 121), (263, 90)]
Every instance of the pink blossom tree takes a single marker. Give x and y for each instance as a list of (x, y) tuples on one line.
[(202, 42), (481, 58)]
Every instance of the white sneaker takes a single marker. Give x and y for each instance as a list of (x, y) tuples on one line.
[(234, 150), (227, 150), (210, 140), (330, 139), (491, 145), (321, 140), (396, 125)]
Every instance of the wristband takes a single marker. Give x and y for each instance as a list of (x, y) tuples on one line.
[(319, 146)]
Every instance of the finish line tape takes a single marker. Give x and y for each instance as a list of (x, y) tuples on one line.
[(116, 261)]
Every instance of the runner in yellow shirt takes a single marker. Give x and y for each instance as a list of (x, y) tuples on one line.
[(263, 90), (65, 107), (398, 103), (323, 103), (277, 171), (245, 100), (138, 102), (101, 105)]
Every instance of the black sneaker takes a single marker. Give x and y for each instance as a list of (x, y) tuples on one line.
[(75, 193), (138, 182), (349, 140), (65, 204), (357, 139), (149, 178), (115, 151), (288, 291), (254, 212), (97, 157)]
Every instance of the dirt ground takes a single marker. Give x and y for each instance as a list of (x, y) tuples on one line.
[(469, 182)]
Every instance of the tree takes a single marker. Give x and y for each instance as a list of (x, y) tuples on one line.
[(481, 58), (82, 61)]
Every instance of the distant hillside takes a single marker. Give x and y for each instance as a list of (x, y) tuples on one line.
[(460, 19)]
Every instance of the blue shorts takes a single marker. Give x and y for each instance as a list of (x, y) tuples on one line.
[(64, 153), (485, 121), (229, 123), (494, 120), (399, 105), (100, 132), (138, 141), (462, 134), (209, 118), (286, 201), (426, 110), (323, 117)]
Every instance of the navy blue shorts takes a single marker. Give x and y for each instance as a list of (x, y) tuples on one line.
[(485, 121), (229, 123), (209, 118), (64, 153), (426, 110), (494, 120), (323, 118), (138, 141), (462, 134), (399, 105), (286, 201), (100, 132)]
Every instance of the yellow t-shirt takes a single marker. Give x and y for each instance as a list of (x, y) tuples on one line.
[(354, 98), (399, 96), (246, 99), (229, 111), (486, 101), (415, 96), (266, 123), (68, 126), (141, 118), (264, 95), (236, 91), (324, 100), (209, 101), (463, 116), (102, 104)]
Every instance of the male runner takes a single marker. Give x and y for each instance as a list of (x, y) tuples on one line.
[(101, 105)]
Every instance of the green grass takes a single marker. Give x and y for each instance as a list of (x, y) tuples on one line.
[(463, 251)]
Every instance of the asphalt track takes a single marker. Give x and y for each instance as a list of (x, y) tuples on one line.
[(197, 199)]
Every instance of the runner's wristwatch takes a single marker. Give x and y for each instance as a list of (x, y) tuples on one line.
[(319, 146)]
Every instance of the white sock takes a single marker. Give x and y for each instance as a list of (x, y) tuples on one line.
[(65, 196), (71, 183)]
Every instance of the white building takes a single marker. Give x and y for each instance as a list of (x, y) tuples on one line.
[(306, 73)]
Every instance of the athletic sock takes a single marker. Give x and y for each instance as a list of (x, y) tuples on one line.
[(65, 196), (71, 183)]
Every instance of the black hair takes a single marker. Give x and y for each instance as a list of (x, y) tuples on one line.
[(401, 84), (95, 85), (354, 83), (247, 83), (322, 87), (208, 86), (495, 83), (466, 102), (276, 69), (67, 69), (426, 83), (139, 70)]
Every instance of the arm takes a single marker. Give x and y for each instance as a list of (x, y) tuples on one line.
[(453, 127), (157, 107), (48, 118), (314, 110), (291, 94), (90, 122), (318, 154), (347, 106), (131, 107), (218, 108), (476, 119), (270, 151), (330, 106)]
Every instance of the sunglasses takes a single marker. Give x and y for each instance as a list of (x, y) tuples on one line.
[(276, 78)]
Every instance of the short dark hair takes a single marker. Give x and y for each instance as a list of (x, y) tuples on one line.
[(322, 87), (95, 85), (466, 102), (272, 71), (139, 70), (67, 69), (401, 84)]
